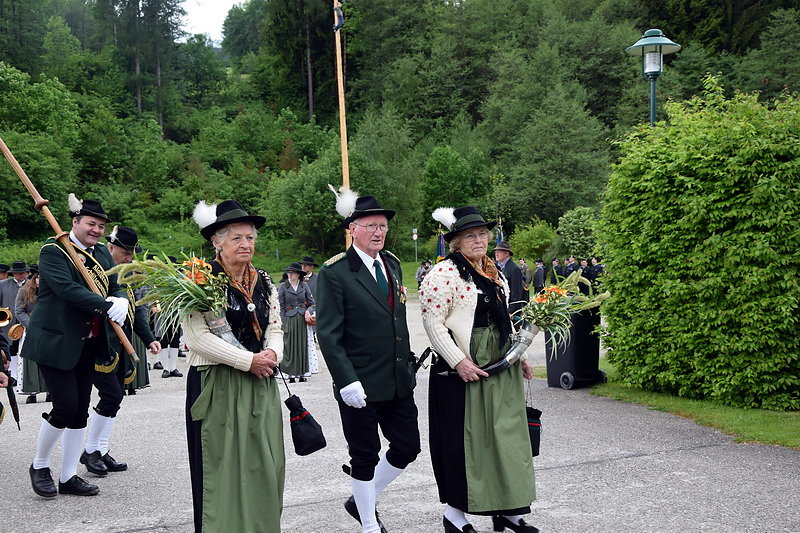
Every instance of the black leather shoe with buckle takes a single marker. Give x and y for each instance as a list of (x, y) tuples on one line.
[(94, 463)]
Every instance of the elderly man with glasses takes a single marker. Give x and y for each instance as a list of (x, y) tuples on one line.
[(362, 330)]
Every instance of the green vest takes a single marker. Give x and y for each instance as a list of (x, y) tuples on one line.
[(62, 318), (361, 337)]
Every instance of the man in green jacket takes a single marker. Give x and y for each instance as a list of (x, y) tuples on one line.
[(65, 336), (362, 330), (110, 376)]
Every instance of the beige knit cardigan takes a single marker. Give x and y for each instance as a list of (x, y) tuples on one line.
[(205, 348), (448, 305)]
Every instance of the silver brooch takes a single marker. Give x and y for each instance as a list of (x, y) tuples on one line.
[(251, 307)]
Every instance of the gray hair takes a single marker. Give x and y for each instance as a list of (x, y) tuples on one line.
[(455, 242), (222, 233)]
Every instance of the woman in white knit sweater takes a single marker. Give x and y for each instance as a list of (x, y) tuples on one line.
[(233, 409), (479, 441)]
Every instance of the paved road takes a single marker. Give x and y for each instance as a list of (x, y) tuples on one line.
[(606, 466)]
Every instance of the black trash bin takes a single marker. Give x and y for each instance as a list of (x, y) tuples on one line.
[(577, 363)]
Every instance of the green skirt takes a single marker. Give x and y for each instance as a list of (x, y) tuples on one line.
[(32, 379), (295, 346), (497, 447), (242, 451), (142, 377)]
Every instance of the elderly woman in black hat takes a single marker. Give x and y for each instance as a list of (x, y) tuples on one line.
[(296, 302), (235, 432), (480, 447)]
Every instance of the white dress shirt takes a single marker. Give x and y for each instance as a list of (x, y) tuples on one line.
[(369, 261)]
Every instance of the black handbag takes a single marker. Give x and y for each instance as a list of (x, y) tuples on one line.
[(534, 423), (307, 434)]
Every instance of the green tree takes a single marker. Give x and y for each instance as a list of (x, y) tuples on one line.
[(692, 207), (532, 241), (775, 65), (576, 229), (448, 180)]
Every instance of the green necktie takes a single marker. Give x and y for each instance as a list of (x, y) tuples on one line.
[(381, 279)]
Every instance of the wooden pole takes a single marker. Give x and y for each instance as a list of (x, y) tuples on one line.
[(63, 237), (342, 110)]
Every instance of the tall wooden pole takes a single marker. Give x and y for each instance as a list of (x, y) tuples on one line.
[(63, 237), (337, 33)]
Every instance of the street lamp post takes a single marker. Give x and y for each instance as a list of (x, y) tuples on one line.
[(414, 236), (652, 48)]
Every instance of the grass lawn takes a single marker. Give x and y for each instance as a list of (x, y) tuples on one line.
[(746, 425)]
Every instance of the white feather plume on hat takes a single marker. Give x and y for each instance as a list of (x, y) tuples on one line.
[(113, 236), (204, 214), (445, 216), (345, 200), (75, 205)]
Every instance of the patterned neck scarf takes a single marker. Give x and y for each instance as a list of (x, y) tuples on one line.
[(486, 268), (247, 287)]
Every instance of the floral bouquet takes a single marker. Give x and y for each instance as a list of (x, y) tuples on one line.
[(180, 289), (551, 310)]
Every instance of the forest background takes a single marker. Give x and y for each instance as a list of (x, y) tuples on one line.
[(516, 106)]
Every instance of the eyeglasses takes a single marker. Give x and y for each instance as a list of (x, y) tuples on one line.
[(372, 228), (476, 236)]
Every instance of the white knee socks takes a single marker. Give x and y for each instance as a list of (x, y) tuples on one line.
[(100, 428), (48, 437), (385, 473), (456, 516), (170, 359), (72, 444), (364, 495)]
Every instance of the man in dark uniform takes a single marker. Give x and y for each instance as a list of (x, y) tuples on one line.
[(557, 272), (109, 376), (65, 336), (516, 289), (308, 265), (539, 276), (364, 337), (571, 266), (8, 298)]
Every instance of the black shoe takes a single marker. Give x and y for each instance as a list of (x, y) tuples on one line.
[(42, 482), (94, 463), (31, 399), (158, 366), (47, 398), (501, 523), (165, 374), (291, 380), (176, 374), (78, 487), (302, 380), (352, 509), (131, 392), (113, 465), (449, 527)]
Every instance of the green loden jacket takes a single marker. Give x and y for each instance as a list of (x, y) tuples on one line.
[(62, 318), (362, 339)]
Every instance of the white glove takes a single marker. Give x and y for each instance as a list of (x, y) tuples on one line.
[(353, 395), (119, 309)]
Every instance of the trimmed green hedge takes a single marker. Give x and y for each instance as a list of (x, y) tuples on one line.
[(701, 225)]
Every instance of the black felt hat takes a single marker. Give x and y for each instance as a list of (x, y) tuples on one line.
[(295, 267), (91, 208), (503, 245), (461, 218), (18, 267), (366, 206), (308, 260), (4, 268), (34, 268), (126, 238), (212, 217)]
